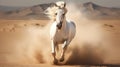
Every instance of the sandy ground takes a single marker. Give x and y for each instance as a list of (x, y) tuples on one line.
[(27, 43)]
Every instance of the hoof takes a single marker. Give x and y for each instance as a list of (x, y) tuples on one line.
[(61, 59), (55, 61)]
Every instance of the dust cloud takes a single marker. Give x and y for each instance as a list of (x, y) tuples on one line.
[(85, 47)]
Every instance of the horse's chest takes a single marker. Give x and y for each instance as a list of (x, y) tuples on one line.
[(60, 37)]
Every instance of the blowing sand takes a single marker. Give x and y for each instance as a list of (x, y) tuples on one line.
[(28, 42)]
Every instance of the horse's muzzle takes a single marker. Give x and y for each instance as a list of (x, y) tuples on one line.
[(59, 26)]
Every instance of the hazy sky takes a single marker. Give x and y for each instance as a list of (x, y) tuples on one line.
[(108, 3)]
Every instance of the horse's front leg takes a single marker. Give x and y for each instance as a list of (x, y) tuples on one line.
[(54, 53), (64, 47)]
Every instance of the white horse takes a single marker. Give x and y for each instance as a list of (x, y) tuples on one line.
[(62, 31)]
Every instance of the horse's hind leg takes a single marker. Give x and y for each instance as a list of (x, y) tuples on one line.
[(54, 53)]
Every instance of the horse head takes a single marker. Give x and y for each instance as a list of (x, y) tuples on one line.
[(60, 13), (57, 13)]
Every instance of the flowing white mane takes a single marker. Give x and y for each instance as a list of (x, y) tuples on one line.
[(51, 11), (61, 4)]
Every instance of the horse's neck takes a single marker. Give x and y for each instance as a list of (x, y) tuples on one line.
[(64, 23)]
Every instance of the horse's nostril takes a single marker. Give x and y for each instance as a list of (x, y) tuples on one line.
[(59, 25)]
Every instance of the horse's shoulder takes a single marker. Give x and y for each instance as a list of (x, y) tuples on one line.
[(71, 23), (52, 30), (53, 24)]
